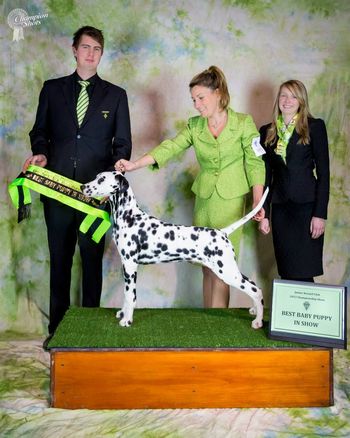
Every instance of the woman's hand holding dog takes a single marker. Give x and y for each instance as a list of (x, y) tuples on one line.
[(124, 166), (128, 166)]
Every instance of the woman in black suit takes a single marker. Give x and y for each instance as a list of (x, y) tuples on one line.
[(297, 172)]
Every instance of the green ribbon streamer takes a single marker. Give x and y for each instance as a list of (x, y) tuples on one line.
[(61, 189)]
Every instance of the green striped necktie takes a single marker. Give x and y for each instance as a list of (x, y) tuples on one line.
[(83, 101)]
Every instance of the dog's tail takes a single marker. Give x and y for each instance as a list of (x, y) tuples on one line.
[(231, 228)]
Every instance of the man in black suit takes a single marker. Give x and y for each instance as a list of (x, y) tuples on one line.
[(79, 150)]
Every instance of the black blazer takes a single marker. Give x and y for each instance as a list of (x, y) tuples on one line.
[(102, 139), (305, 175)]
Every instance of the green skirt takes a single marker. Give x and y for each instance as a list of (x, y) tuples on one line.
[(218, 213)]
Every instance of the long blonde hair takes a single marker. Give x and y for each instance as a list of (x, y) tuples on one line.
[(214, 79), (302, 126)]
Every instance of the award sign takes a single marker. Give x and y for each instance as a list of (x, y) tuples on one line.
[(309, 313)]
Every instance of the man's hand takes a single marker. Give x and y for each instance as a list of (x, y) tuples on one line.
[(38, 160)]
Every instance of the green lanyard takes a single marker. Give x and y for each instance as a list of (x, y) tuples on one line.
[(62, 189)]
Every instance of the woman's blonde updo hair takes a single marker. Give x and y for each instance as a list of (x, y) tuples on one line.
[(214, 79)]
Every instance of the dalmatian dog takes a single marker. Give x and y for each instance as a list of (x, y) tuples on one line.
[(143, 239)]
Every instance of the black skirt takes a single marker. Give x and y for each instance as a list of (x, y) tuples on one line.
[(297, 254)]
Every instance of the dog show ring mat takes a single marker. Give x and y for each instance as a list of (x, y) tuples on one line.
[(182, 358)]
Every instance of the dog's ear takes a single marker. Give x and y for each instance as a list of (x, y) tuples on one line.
[(123, 183)]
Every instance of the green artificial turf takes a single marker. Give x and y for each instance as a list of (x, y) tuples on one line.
[(163, 328)]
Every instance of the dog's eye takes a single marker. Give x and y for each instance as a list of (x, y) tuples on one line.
[(100, 180)]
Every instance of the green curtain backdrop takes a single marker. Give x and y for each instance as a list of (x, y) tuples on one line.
[(153, 49)]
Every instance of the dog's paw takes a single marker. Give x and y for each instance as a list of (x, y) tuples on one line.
[(256, 324), (252, 311), (124, 322), (119, 314)]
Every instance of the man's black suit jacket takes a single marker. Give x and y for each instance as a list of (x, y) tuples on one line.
[(80, 153), (305, 175)]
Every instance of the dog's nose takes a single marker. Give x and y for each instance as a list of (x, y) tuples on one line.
[(82, 187)]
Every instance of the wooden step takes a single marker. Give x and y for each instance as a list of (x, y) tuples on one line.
[(191, 378)]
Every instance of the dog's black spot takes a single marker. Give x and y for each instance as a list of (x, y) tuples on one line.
[(208, 252), (162, 246), (146, 256), (143, 235), (220, 264), (170, 235), (194, 236)]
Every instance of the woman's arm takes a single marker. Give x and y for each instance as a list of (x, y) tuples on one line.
[(258, 191), (319, 142), (161, 154)]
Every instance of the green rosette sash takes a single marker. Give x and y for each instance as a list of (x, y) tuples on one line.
[(62, 189)]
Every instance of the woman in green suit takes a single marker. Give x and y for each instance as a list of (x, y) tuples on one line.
[(227, 148)]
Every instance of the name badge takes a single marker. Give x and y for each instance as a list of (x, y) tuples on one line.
[(257, 148)]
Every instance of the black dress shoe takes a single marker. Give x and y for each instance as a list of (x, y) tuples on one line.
[(46, 342)]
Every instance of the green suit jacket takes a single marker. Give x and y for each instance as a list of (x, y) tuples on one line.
[(227, 163)]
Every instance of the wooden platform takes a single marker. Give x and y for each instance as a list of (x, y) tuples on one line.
[(191, 378)]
